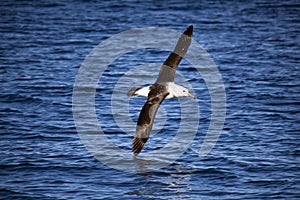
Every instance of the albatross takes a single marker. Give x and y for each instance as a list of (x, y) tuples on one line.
[(163, 88)]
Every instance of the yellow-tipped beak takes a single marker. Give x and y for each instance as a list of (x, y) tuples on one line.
[(192, 96)]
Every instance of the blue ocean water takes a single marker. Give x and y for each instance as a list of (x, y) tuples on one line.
[(256, 48)]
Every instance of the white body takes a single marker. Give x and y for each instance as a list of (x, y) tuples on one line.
[(174, 90)]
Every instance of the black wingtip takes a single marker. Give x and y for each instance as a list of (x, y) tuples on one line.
[(189, 31), (138, 145)]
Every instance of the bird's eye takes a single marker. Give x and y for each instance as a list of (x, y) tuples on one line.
[(183, 91)]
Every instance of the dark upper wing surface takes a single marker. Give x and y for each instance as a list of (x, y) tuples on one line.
[(146, 118), (168, 69)]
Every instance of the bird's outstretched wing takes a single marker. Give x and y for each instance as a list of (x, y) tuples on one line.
[(146, 118), (168, 69), (158, 92)]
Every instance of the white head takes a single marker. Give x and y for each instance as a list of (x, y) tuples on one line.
[(178, 91)]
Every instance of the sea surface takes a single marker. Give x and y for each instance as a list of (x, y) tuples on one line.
[(254, 44)]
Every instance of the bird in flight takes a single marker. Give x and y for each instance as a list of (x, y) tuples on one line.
[(163, 88)]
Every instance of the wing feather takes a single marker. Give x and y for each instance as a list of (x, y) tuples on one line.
[(146, 118), (168, 69)]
